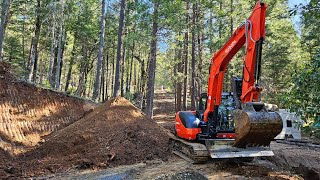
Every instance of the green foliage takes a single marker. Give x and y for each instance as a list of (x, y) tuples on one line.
[(304, 96)]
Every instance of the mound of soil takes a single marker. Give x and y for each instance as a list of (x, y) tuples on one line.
[(116, 133), (28, 113), (5, 159)]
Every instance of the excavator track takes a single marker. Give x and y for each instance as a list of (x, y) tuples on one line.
[(190, 151)]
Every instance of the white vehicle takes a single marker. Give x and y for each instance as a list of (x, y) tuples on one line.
[(291, 125)]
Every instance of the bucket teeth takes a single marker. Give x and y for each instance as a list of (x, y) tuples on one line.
[(256, 128)]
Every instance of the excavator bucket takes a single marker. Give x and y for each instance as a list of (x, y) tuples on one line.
[(255, 126)]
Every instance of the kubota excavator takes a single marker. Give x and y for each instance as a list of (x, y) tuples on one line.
[(250, 127)]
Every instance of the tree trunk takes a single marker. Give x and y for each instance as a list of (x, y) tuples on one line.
[(220, 21), (82, 69), (34, 47), (72, 61), (131, 69), (99, 62), (186, 42), (4, 13), (106, 76), (200, 43), (44, 56), (153, 60), (211, 33), (117, 73), (193, 55), (230, 66), (112, 76), (122, 70), (200, 36), (179, 83), (135, 85), (127, 73), (231, 17), (59, 58), (23, 39), (52, 51)]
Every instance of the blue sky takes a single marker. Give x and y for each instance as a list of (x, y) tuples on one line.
[(296, 18)]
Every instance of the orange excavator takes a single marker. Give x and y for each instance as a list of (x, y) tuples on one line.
[(245, 126)]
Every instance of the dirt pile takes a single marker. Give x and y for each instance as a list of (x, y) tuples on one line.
[(5, 159), (27, 113), (115, 133)]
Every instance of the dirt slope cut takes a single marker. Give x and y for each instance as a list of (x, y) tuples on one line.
[(116, 133), (27, 112)]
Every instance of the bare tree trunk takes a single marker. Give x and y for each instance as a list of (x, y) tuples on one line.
[(231, 17), (220, 21), (230, 67), (43, 63), (200, 37), (135, 85), (52, 51), (143, 76), (99, 62), (23, 39), (193, 55), (211, 33), (34, 47), (4, 13), (113, 68), (82, 77), (122, 70), (107, 75), (131, 69), (127, 73), (153, 61), (179, 83), (72, 61), (186, 42), (120, 30), (59, 58)]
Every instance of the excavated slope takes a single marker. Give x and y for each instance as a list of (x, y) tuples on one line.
[(27, 113)]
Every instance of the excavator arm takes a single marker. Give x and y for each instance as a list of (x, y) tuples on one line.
[(251, 34)]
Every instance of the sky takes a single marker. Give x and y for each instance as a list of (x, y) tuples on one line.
[(296, 18)]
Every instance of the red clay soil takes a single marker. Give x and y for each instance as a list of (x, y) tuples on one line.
[(27, 113), (116, 133)]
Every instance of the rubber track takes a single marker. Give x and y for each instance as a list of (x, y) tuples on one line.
[(190, 151)]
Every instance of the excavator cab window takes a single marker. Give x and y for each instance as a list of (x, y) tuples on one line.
[(202, 102), (236, 85)]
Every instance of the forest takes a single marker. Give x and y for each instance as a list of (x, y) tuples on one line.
[(131, 48)]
